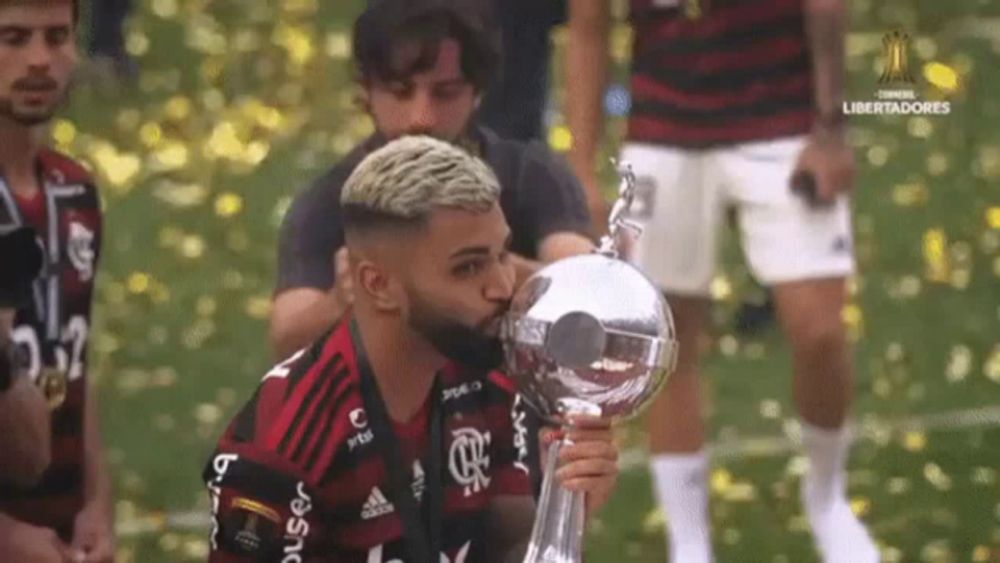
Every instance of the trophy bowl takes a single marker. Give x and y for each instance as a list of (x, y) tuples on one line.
[(589, 334)]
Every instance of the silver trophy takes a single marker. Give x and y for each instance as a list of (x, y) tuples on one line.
[(586, 335)]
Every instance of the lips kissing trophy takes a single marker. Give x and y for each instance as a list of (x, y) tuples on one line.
[(588, 335)]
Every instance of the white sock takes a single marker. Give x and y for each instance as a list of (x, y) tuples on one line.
[(826, 450), (682, 488), (840, 535)]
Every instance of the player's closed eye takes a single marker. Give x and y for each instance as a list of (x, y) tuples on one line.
[(56, 36), (14, 37), (401, 90)]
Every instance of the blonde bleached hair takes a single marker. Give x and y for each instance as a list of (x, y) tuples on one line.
[(404, 181)]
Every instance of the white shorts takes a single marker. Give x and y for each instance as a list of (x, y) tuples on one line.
[(681, 202)]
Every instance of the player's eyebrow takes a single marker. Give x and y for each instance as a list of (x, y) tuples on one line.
[(480, 250)]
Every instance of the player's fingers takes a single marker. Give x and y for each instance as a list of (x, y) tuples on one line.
[(596, 468), (593, 486), (586, 450), (590, 436)]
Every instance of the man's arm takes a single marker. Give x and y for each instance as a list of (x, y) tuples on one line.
[(826, 27), (587, 60), (93, 531), (553, 248), (313, 288), (25, 424), (827, 156), (25, 434), (300, 315), (261, 512)]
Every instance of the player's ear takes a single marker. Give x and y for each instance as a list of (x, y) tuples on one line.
[(379, 286)]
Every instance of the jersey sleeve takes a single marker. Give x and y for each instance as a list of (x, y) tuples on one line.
[(311, 233), (552, 198), (260, 511), (510, 444)]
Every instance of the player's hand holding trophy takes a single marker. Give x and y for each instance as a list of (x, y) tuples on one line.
[(586, 335)]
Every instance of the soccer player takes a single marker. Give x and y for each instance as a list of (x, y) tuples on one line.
[(390, 438), (69, 513), (422, 68), (734, 104)]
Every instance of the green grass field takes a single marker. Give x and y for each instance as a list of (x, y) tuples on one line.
[(240, 104)]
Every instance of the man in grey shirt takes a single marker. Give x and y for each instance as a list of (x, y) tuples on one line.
[(422, 68)]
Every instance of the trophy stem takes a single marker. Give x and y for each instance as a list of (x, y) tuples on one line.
[(557, 536)]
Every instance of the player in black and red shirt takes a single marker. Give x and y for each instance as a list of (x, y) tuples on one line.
[(390, 439), (70, 512), (736, 106)]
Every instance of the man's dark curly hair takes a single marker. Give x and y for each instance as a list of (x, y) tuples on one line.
[(388, 24)]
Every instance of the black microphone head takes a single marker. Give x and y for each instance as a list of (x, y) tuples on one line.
[(20, 262)]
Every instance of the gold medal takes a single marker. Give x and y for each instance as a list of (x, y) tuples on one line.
[(53, 383)]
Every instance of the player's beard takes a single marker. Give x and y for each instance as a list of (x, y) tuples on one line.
[(32, 117), (469, 346)]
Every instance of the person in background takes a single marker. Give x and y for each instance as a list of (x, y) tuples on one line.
[(68, 515), (736, 104), (514, 104), (106, 45)]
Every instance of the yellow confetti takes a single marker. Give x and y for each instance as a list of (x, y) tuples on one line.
[(959, 363), (138, 283), (258, 307), (910, 195), (178, 108), (206, 306), (936, 265), (721, 480), (942, 76), (165, 9), (192, 247), (337, 46), (915, 441), (228, 205), (150, 134), (861, 506), (63, 132), (171, 156), (560, 139), (296, 41), (993, 217), (920, 127), (992, 366), (721, 288)]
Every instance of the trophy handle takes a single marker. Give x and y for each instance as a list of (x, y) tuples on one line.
[(557, 536)]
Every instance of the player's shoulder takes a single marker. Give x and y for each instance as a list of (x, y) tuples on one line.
[(296, 410), (63, 169), (327, 187)]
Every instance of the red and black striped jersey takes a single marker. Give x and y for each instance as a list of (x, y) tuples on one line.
[(53, 328), (297, 475), (741, 72)]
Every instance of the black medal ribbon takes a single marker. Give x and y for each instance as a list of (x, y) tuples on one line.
[(421, 524), (47, 285)]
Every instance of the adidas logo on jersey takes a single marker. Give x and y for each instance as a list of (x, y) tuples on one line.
[(376, 505)]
